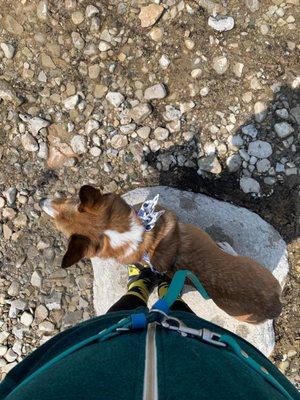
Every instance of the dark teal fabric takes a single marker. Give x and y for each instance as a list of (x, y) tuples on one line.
[(187, 368)]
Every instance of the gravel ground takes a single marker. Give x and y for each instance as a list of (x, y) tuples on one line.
[(198, 95)]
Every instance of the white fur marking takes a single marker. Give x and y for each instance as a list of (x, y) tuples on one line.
[(132, 238), (48, 208)]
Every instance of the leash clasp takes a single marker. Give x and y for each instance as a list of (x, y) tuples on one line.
[(203, 334)]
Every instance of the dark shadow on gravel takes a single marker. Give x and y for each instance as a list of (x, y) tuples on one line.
[(280, 205)]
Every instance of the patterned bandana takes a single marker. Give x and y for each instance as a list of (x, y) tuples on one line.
[(148, 215)]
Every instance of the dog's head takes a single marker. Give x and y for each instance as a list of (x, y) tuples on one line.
[(84, 219)]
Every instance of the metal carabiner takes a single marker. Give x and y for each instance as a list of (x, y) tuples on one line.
[(203, 334)]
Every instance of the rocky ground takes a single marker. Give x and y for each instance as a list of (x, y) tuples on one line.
[(199, 95)]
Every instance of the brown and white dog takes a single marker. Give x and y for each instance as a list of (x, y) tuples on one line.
[(105, 226)]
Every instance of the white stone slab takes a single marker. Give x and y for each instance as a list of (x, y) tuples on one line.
[(245, 231)]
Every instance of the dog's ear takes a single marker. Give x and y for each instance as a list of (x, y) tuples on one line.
[(89, 197), (77, 249)]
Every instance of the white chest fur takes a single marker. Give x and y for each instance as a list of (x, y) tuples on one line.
[(131, 238)]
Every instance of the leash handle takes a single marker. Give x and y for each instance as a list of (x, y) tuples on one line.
[(177, 285)]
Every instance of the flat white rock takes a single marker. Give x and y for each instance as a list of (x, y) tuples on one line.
[(245, 231), (221, 23)]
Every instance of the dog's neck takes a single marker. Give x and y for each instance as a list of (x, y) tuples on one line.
[(132, 238)]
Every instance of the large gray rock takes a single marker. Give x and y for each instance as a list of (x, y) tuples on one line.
[(246, 232)]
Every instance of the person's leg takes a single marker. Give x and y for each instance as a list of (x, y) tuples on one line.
[(179, 304), (141, 282)]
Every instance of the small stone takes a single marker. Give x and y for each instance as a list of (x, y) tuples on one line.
[(26, 319), (140, 112), (129, 128), (238, 69), (94, 71), (204, 91), (78, 144), (249, 185), (7, 93), (12, 25), (263, 165), (90, 11), (196, 73), (291, 353), (15, 307), (41, 313), (3, 350), (264, 29), (260, 111), (157, 91), (104, 46), (35, 124), (47, 61), (220, 64), (210, 164), (77, 40), (42, 77), (260, 149), (71, 102), (46, 326), (53, 301), (3, 336), (164, 61), (190, 44), (7, 232), (252, 5), (250, 130), (95, 151), (10, 355), (283, 129), (77, 17), (156, 34), (36, 279), (91, 126), (43, 151), (8, 50), (21, 220), (161, 133), (115, 98), (221, 23), (282, 113), (144, 132), (154, 145), (42, 10), (279, 168), (291, 171), (234, 163), (119, 141), (13, 289), (10, 195), (100, 91), (172, 113), (295, 113), (29, 142), (150, 14), (283, 366), (2, 200)]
